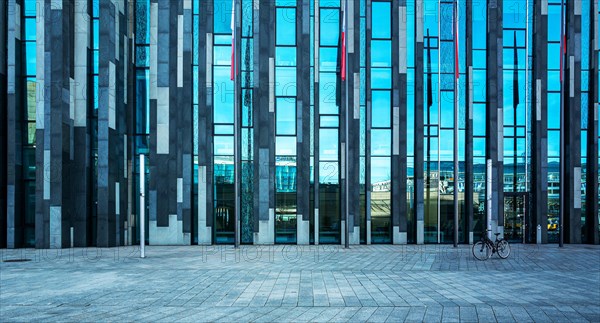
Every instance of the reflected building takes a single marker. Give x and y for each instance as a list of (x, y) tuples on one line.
[(360, 121)]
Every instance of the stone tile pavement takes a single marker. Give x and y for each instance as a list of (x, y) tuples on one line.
[(432, 283)]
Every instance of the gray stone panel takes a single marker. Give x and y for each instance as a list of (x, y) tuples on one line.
[(494, 115), (539, 128), (3, 112)]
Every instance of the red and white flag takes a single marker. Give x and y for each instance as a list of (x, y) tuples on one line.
[(343, 72), (233, 67)]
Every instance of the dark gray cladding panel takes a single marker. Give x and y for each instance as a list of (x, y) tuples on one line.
[(494, 93), (539, 126), (303, 112), (3, 125), (469, 123)]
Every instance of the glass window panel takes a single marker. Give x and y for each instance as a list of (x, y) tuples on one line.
[(381, 170), (285, 81), (328, 96), (30, 55), (29, 28), (222, 16), (329, 27), (285, 56), (222, 55), (223, 145), (381, 14), (222, 39), (328, 172), (328, 59), (223, 130), (553, 110), (330, 121), (381, 142), (381, 78), (285, 145), (286, 26), (554, 143), (381, 53), (381, 109), (328, 144), (286, 116)]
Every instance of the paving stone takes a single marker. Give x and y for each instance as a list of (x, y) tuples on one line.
[(365, 283)]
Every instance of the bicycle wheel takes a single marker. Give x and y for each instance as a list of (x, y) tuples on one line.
[(503, 249), (481, 251)]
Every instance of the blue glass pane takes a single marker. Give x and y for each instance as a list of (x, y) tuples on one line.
[(286, 26), (381, 78), (329, 122), (381, 170), (223, 130), (30, 55), (328, 96), (381, 142), (223, 145), (222, 55), (285, 56), (285, 81), (329, 59), (30, 7), (381, 53), (381, 20), (222, 16), (286, 116), (328, 144), (329, 27), (222, 95), (285, 145), (381, 109), (29, 29)]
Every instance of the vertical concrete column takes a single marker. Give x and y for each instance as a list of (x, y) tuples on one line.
[(112, 81), (399, 129), (264, 118), (316, 118), (351, 88), (3, 112), (54, 123), (205, 121), (572, 125), (591, 203), (469, 125), (494, 127), (303, 123), (81, 139), (171, 115), (539, 125), (14, 99), (368, 115), (419, 124)]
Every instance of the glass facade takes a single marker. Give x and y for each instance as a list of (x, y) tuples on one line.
[(438, 52)]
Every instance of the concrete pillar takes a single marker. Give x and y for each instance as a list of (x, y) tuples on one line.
[(572, 125), (3, 112), (264, 118), (591, 204), (419, 124), (539, 126), (494, 129)]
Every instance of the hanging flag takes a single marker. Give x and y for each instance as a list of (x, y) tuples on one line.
[(429, 82), (456, 66), (516, 75), (343, 72), (233, 67)]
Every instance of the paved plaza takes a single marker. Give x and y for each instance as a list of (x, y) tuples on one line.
[(293, 283)]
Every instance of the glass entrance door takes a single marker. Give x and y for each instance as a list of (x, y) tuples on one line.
[(514, 216)]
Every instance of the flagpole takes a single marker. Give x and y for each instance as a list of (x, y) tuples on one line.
[(347, 240), (562, 127), (236, 126), (456, 108)]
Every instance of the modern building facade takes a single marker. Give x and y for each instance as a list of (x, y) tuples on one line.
[(290, 148)]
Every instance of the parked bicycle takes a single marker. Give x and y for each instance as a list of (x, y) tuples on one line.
[(485, 248)]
